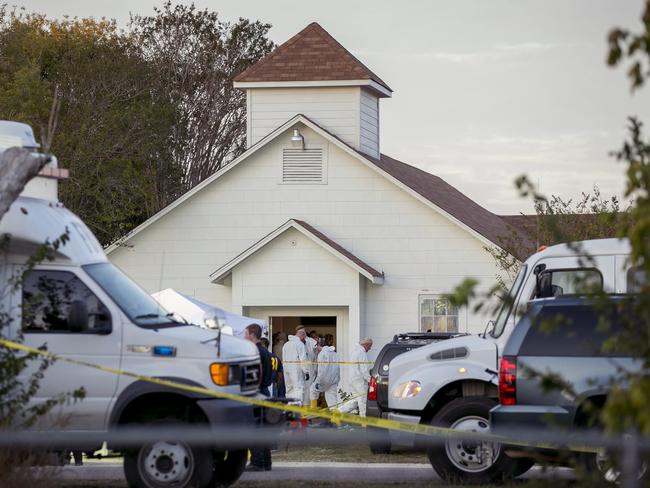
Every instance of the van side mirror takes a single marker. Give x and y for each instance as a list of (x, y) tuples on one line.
[(78, 316)]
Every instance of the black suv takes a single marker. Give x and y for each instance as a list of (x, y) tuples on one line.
[(377, 405)]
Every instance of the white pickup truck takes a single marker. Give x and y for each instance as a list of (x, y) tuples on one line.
[(81, 306), (453, 383)]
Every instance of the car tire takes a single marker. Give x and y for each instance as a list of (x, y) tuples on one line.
[(379, 441), (163, 464), (228, 467), (456, 461)]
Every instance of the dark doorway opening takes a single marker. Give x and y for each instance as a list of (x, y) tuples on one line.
[(321, 325)]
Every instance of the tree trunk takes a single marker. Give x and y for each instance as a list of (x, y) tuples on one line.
[(17, 167)]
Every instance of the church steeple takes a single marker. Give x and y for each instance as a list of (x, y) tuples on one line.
[(313, 74)]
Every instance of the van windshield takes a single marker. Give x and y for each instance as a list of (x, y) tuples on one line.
[(508, 304), (140, 307)]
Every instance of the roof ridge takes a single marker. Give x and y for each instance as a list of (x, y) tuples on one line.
[(320, 45), (332, 40), (431, 175)]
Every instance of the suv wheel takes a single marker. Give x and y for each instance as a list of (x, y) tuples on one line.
[(469, 461), (164, 464), (379, 440)]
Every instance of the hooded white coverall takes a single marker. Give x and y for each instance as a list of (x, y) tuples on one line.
[(327, 377), (294, 374), (359, 379), (310, 348)]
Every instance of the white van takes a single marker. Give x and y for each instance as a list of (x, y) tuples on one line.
[(81, 306), (453, 383)]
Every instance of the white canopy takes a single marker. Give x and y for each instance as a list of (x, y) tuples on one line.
[(194, 311)]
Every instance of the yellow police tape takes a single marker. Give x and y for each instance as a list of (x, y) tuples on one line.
[(333, 416), (327, 362)]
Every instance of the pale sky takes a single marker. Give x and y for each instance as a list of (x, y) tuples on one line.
[(483, 90)]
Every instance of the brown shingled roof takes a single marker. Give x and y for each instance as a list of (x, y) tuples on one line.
[(319, 235), (454, 202), (364, 268), (311, 55)]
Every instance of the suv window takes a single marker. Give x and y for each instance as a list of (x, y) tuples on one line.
[(390, 354), (47, 296), (578, 331)]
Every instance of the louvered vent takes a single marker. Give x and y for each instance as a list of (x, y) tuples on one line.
[(302, 165)]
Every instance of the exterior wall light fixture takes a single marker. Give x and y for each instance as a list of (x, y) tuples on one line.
[(297, 140)]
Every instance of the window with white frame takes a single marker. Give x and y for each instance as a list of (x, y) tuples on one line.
[(437, 314)]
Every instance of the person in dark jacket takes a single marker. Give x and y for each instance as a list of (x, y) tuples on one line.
[(278, 390), (260, 456)]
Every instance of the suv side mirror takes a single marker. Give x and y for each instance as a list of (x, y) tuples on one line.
[(78, 316), (545, 285)]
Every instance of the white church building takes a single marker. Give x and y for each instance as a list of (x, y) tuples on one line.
[(312, 224)]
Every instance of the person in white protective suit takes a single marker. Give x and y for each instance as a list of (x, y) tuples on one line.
[(327, 375), (359, 378), (294, 351), (312, 352)]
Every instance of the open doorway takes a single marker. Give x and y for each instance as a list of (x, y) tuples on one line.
[(321, 325)]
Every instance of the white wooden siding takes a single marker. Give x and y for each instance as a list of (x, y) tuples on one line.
[(334, 108), (292, 270), (419, 250), (369, 124)]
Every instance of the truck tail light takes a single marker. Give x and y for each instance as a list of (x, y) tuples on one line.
[(508, 381), (372, 389)]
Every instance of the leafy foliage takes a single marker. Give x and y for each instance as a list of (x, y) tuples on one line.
[(141, 115), (635, 48), (556, 220), (627, 408)]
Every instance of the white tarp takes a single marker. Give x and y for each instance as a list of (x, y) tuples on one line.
[(194, 311)]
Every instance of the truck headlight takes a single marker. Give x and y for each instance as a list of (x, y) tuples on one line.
[(223, 374), (407, 390)]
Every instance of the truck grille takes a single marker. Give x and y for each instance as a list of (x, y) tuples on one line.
[(250, 378)]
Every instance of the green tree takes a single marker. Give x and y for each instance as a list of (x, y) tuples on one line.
[(141, 115), (111, 131), (629, 408)]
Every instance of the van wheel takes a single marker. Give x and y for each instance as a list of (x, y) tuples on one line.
[(228, 467), (472, 462), (522, 465), (164, 464)]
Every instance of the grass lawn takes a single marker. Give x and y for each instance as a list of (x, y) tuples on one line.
[(353, 454), (332, 454)]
